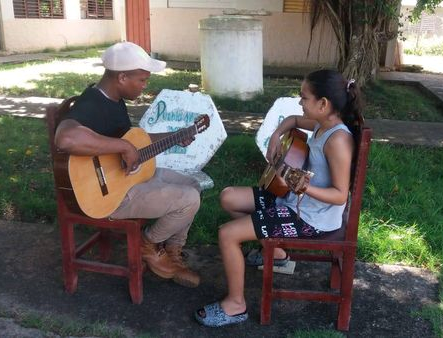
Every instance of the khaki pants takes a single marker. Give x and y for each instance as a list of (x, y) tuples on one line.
[(170, 197)]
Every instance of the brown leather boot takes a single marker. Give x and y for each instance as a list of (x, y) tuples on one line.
[(183, 276), (157, 259)]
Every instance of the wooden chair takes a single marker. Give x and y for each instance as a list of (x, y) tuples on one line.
[(339, 248), (69, 215)]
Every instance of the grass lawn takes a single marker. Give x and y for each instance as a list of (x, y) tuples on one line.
[(402, 213), (400, 223)]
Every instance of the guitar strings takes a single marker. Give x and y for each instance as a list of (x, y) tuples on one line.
[(158, 147)]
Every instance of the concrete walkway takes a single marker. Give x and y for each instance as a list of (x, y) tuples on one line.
[(20, 58), (386, 131), (432, 83)]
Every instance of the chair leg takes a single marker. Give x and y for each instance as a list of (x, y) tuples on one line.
[(135, 264), (268, 262), (70, 275), (335, 277), (344, 308), (104, 245)]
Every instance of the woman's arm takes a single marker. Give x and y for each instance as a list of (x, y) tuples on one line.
[(338, 151), (287, 124)]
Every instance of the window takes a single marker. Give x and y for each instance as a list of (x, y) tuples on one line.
[(38, 9), (96, 9), (296, 6)]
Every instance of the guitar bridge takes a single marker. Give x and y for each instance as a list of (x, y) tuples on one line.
[(100, 175)]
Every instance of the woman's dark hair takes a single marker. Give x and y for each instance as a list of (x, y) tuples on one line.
[(344, 95)]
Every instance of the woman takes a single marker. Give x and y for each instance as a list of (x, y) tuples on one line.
[(331, 109)]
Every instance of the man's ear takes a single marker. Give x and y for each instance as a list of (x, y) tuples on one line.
[(121, 77)]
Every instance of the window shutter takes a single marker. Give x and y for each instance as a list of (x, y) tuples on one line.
[(296, 6), (38, 9), (96, 9)]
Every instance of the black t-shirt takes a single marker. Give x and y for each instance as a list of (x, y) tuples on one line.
[(104, 116)]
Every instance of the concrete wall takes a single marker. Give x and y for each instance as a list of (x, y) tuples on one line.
[(268, 5), (40, 34), (286, 41), (174, 35), (429, 24), (26, 35)]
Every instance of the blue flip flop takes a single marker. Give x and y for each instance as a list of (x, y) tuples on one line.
[(216, 317), (255, 258)]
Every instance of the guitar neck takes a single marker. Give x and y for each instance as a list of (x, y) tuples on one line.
[(160, 146)]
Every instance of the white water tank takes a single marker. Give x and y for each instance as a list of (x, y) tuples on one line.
[(231, 56)]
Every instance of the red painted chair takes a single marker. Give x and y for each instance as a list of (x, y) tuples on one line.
[(340, 247), (69, 215)]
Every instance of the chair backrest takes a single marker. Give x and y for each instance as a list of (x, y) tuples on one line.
[(358, 184), (54, 115), (65, 194)]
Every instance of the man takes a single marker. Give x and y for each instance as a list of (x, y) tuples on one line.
[(94, 126)]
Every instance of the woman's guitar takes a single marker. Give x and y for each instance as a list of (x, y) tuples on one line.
[(100, 183), (292, 158)]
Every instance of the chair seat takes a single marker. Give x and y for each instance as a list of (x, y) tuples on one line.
[(331, 240)]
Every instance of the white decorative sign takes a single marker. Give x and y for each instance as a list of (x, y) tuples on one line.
[(282, 108), (176, 109)]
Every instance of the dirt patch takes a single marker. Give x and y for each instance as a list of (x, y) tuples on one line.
[(385, 300)]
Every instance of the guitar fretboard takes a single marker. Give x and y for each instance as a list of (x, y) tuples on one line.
[(160, 146)]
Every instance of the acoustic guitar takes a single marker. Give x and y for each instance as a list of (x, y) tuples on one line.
[(293, 154), (100, 182)]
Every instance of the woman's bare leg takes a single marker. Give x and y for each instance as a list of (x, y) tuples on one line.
[(230, 237), (237, 201)]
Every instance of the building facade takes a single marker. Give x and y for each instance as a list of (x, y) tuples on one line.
[(35, 25), (31, 25)]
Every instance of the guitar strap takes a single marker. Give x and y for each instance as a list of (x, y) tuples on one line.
[(299, 198)]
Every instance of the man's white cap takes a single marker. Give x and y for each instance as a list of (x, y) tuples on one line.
[(129, 56)]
